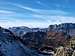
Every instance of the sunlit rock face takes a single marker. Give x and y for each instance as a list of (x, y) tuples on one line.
[(56, 38)]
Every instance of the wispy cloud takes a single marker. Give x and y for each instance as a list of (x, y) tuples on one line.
[(18, 22), (24, 7), (6, 12), (46, 21), (41, 11), (55, 19), (51, 20), (61, 19)]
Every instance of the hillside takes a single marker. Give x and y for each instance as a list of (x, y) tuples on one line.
[(11, 45)]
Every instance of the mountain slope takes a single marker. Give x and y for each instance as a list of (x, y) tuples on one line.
[(11, 46)]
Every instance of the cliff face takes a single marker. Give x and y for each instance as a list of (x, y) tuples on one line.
[(68, 28), (34, 39), (56, 38)]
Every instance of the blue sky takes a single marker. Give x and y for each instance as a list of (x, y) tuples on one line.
[(36, 13)]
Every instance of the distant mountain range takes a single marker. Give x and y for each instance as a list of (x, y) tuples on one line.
[(68, 28), (20, 31)]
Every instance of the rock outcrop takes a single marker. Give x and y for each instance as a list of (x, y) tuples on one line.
[(68, 28)]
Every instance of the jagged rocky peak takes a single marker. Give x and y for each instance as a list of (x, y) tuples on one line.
[(19, 28), (19, 31), (63, 25), (68, 28)]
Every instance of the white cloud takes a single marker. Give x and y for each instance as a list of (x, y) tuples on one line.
[(61, 19), (15, 23), (54, 19), (42, 11), (49, 20), (6, 13), (24, 7)]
